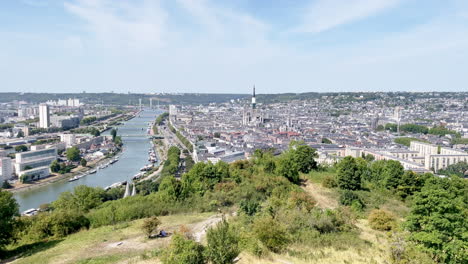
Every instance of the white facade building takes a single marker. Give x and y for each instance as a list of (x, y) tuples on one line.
[(34, 165), (69, 139), (44, 116), (6, 169)]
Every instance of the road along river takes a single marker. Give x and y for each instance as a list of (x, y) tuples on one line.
[(133, 157)]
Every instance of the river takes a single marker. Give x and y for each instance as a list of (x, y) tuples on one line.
[(133, 157)]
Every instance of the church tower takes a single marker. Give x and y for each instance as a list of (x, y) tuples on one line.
[(254, 101)]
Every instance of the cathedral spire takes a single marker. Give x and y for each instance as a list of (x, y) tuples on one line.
[(254, 102)]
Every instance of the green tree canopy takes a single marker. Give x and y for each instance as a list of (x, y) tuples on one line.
[(222, 245), (8, 211), (350, 173), (73, 154)]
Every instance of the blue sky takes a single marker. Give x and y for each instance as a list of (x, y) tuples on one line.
[(227, 46)]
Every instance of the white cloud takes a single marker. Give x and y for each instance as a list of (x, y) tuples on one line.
[(123, 23), (323, 15)]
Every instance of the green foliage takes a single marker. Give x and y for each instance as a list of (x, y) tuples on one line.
[(406, 141), (83, 162), (391, 127), (413, 128), (82, 199), (326, 141), (381, 220), (392, 173), (249, 207), (271, 233), (88, 130), (438, 219), (303, 157), (411, 183), (8, 212), (55, 224), (222, 244), (182, 250), (73, 154), (88, 120), (150, 226), (113, 133), (457, 169), (6, 185), (21, 148), (288, 168), (348, 197), (20, 134), (442, 131), (160, 119), (350, 173), (55, 166), (460, 141), (329, 181)]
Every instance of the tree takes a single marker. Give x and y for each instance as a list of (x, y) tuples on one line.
[(223, 245), (73, 154), (303, 156), (83, 162), (82, 199), (21, 148), (150, 225), (113, 133), (392, 173), (411, 183), (8, 212), (55, 166), (182, 250), (349, 174), (20, 134), (288, 168), (437, 220), (271, 233)]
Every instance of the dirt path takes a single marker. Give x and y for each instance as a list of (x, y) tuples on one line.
[(323, 196), (199, 229)]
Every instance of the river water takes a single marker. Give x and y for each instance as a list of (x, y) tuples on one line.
[(133, 157)]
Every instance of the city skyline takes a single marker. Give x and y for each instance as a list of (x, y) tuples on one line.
[(223, 47)]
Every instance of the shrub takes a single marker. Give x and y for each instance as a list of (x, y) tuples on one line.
[(381, 220), (271, 233), (348, 197), (182, 250), (329, 221), (223, 245), (249, 206), (329, 182), (150, 225), (302, 201)]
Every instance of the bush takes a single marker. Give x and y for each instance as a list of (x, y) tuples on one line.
[(249, 206), (182, 250), (223, 245), (329, 182), (151, 225), (381, 220), (348, 197), (271, 233)]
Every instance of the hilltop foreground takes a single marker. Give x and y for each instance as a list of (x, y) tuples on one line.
[(269, 209)]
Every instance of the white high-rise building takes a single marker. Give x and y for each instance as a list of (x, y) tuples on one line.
[(6, 169), (69, 139), (44, 116)]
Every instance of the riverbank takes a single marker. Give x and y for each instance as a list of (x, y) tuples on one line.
[(21, 187)]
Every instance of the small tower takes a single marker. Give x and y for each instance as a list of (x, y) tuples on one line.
[(127, 190), (134, 190)]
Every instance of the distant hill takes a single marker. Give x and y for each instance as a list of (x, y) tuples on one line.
[(124, 99)]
